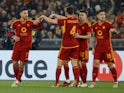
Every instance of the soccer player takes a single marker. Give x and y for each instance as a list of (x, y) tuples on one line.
[(69, 47), (102, 47), (67, 82), (23, 42), (84, 33)]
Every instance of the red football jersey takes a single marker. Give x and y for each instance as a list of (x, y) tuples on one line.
[(102, 33), (83, 29), (69, 27), (24, 31)]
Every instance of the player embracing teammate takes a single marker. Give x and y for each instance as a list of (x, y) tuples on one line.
[(70, 45), (74, 45), (102, 48)]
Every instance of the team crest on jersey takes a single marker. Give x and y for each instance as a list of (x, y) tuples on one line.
[(99, 33), (23, 29)]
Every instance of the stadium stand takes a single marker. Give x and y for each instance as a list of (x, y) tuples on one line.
[(51, 34)]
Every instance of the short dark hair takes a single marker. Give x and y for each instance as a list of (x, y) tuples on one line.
[(70, 10), (23, 8), (101, 10), (84, 11)]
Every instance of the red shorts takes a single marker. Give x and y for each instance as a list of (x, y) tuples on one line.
[(21, 55), (104, 54), (83, 50), (67, 54), (84, 55)]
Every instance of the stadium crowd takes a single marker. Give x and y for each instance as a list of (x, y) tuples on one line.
[(9, 11)]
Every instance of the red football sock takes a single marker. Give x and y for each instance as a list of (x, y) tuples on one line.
[(58, 72), (66, 69), (81, 73), (15, 71), (94, 74), (20, 72), (84, 73), (114, 74), (76, 72)]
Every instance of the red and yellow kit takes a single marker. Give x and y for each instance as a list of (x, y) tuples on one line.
[(69, 43), (24, 31), (103, 48), (83, 29)]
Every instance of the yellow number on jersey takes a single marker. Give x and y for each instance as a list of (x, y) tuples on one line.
[(73, 30)]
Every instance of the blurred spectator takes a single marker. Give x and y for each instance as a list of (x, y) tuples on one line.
[(7, 43), (120, 19), (9, 9), (3, 17), (35, 33), (58, 33), (44, 33), (26, 2), (19, 5), (4, 30), (51, 7), (36, 39), (33, 14), (59, 7), (49, 35)]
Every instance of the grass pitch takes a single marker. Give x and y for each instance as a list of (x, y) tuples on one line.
[(45, 87)]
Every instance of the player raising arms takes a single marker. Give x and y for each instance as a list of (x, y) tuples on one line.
[(23, 42), (102, 47), (84, 33), (69, 47)]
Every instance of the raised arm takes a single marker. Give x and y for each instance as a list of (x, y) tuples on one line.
[(114, 30), (49, 20), (76, 35), (57, 16)]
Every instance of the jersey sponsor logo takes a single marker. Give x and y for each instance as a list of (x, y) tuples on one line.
[(105, 73)]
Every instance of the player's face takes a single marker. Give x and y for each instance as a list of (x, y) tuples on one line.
[(24, 14), (101, 16), (82, 16)]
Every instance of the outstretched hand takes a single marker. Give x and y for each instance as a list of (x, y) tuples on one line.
[(37, 21), (52, 16), (42, 17), (76, 35)]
